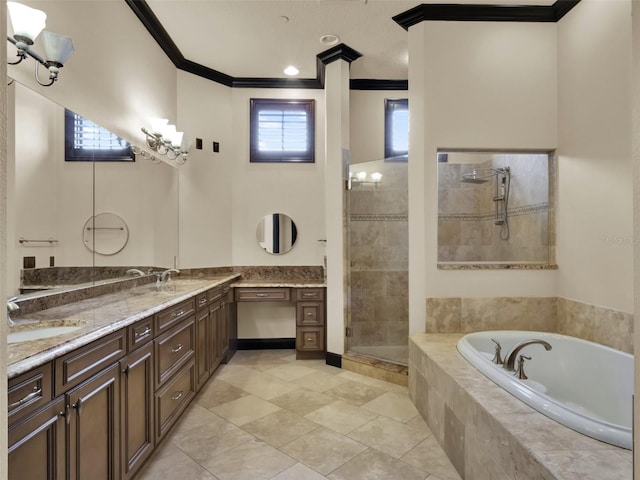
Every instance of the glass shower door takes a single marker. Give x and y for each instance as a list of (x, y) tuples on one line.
[(377, 253)]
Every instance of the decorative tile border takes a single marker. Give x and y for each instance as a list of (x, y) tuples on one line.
[(378, 217), (476, 217)]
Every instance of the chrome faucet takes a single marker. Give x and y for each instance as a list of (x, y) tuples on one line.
[(12, 307), (510, 359), (135, 271), (162, 278)]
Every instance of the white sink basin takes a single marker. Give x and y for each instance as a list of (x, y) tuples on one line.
[(39, 333)]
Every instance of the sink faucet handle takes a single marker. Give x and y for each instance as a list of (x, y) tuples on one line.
[(520, 372), (497, 359)]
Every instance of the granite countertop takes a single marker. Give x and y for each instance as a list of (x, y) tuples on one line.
[(274, 283), (99, 316)]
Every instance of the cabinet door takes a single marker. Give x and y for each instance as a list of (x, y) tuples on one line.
[(203, 353), (37, 444), (223, 332), (213, 346), (137, 427), (94, 424)]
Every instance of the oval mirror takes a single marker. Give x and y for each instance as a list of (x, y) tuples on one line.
[(276, 233)]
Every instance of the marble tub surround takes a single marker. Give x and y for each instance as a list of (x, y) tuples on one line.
[(613, 328), (487, 433), (100, 316), (472, 314), (606, 326)]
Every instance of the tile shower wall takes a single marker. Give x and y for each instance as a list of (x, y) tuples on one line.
[(377, 233), (606, 326), (466, 212)]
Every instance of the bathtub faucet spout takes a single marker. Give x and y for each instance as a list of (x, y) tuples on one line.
[(510, 359)]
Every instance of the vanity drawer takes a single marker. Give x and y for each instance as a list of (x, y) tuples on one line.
[(263, 294), (174, 397), (77, 366), (309, 294), (174, 349), (201, 300), (214, 295), (140, 333), (172, 315), (310, 339), (29, 391), (310, 313)]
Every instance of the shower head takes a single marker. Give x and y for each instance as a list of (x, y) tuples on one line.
[(472, 178), (487, 174)]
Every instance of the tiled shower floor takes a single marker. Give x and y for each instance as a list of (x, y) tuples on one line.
[(266, 415)]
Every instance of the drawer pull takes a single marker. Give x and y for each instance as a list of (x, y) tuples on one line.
[(309, 339), (309, 314), (35, 393), (178, 313), (177, 348), (177, 395), (309, 295), (262, 295), (144, 333), (202, 301)]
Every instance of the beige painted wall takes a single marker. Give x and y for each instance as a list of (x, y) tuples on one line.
[(260, 189), (477, 85), (595, 207), (117, 77)]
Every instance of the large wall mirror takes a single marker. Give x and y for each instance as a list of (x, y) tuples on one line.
[(495, 208), (51, 201)]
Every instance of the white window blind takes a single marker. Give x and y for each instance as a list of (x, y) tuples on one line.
[(282, 130)]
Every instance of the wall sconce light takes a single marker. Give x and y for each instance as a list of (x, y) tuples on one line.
[(27, 24), (360, 178), (163, 138)]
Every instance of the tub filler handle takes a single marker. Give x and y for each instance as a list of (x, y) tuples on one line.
[(497, 359), (520, 371)]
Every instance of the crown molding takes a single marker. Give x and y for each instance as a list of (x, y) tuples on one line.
[(484, 13), (421, 13), (375, 84)]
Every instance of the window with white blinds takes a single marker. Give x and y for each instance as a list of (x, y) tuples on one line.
[(396, 127), (282, 130), (86, 141)]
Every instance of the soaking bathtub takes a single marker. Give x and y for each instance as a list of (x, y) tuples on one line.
[(583, 385)]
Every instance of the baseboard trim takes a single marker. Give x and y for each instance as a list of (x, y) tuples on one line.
[(334, 359), (266, 344)]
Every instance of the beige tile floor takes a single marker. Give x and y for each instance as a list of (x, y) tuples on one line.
[(266, 415)]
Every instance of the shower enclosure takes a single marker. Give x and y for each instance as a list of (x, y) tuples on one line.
[(377, 254)]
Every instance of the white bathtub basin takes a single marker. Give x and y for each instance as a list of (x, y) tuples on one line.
[(583, 385)]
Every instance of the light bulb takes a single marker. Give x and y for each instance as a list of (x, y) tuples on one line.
[(376, 177)]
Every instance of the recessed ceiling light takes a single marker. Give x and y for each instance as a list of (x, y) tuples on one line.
[(291, 71), (284, 19), (329, 39)]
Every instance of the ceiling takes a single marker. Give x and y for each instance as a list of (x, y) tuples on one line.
[(259, 38)]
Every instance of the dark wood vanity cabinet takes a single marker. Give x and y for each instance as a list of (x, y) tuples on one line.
[(99, 411), (94, 427), (37, 444), (137, 409)]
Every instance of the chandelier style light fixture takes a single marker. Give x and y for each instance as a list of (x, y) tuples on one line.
[(27, 24), (164, 139)]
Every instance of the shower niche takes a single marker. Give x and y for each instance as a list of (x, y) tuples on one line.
[(495, 209)]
